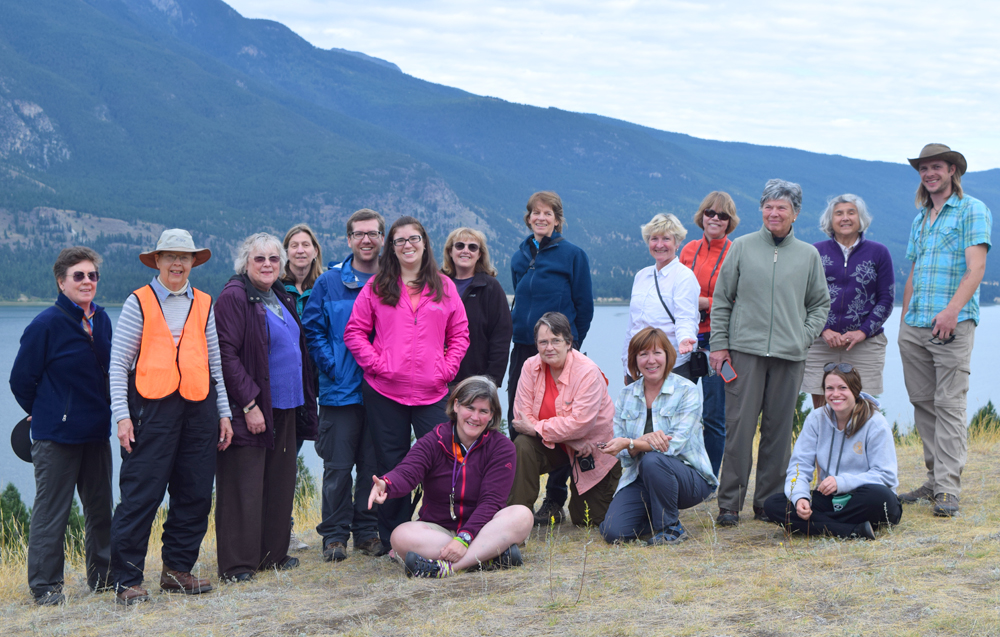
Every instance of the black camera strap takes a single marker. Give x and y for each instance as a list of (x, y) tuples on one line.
[(656, 280)]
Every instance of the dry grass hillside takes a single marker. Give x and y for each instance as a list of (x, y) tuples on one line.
[(927, 576)]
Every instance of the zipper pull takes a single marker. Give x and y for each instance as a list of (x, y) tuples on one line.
[(775, 254)]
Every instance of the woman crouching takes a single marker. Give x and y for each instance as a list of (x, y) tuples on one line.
[(852, 444), (659, 441), (466, 467)]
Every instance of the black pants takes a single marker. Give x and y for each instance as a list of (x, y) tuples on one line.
[(254, 495), (174, 450), (344, 443), (59, 469), (389, 424), (555, 487), (874, 503), (650, 504)]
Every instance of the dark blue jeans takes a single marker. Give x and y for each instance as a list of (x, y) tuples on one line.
[(713, 413), (650, 504)]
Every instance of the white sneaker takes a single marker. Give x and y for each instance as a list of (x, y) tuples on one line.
[(295, 544)]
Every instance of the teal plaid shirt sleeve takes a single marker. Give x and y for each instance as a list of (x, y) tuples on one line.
[(978, 225)]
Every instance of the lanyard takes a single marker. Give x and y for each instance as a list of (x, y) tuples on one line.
[(455, 467), (694, 263)]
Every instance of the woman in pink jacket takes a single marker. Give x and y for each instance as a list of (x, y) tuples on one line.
[(420, 335), (563, 409)]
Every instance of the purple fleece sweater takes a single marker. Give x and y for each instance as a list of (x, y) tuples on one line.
[(861, 288), (482, 484)]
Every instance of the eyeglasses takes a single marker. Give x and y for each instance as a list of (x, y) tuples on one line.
[(358, 236), (273, 259), (94, 276), (473, 247), (414, 240), (555, 342), (844, 368), (934, 340), (170, 258), (721, 216)]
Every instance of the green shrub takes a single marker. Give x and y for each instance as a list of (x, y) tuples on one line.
[(15, 518), (305, 483), (985, 420)]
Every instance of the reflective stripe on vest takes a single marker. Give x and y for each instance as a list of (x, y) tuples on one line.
[(163, 367)]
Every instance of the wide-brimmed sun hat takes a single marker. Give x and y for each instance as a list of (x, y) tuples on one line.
[(940, 151), (176, 240)]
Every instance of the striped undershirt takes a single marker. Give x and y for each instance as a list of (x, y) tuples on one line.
[(128, 337)]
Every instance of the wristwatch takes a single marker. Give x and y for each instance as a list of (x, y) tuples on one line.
[(631, 445), (466, 536), (246, 410)]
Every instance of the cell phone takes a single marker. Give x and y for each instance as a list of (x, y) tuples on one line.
[(727, 372)]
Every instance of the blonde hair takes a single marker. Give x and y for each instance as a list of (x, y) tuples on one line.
[(482, 265), (317, 265), (720, 202), (923, 198), (665, 224)]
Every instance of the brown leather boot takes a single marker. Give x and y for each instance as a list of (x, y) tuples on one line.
[(129, 595), (181, 582)]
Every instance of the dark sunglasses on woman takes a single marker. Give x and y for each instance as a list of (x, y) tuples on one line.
[(721, 216), (94, 276), (844, 368), (473, 247)]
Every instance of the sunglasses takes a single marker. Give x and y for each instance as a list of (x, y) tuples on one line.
[(260, 259), (94, 276), (934, 340), (844, 368), (721, 216), (473, 247)]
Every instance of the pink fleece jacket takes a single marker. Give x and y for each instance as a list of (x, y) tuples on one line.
[(416, 353), (584, 410)]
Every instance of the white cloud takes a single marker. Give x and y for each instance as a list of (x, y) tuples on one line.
[(867, 79)]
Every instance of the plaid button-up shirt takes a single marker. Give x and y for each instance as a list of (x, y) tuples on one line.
[(938, 254), (676, 412)]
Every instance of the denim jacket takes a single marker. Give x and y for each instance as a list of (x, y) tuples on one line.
[(676, 412)]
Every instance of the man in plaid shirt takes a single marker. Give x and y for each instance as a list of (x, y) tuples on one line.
[(948, 243)]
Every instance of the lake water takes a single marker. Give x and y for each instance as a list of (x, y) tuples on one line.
[(603, 345)]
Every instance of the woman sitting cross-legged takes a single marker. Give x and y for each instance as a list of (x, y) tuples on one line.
[(659, 441), (851, 442), (466, 467)]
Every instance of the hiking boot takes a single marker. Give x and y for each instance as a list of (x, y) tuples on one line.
[(549, 510), (416, 566), (945, 505), (728, 517), (758, 514), (287, 564), (50, 598), (508, 559), (672, 535), (863, 531), (922, 493), (130, 595), (335, 552), (183, 582), (372, 546)]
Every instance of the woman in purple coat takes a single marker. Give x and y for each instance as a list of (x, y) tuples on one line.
[(466, 467), (860, 279)]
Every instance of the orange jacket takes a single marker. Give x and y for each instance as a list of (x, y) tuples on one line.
[(705, 258), (584, 410), (162, 367)]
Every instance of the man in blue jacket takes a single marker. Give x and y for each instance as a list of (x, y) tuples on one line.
[(343, 440)]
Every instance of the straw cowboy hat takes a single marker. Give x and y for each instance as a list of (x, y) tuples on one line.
[(940, 151), (176, 240)]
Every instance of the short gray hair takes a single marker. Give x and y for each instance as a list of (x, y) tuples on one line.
[(780, 189), (260, 241), (826, 219), (665, 224)]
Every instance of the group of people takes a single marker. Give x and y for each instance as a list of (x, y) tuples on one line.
[(386, 343)]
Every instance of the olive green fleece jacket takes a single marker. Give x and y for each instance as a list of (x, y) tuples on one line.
[(770, 300)]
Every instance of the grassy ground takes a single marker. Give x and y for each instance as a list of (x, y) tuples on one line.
[(927, 576)]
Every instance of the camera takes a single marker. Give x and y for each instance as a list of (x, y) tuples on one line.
[(587, 463)]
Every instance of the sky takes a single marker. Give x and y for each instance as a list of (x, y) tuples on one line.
[(871, 80)]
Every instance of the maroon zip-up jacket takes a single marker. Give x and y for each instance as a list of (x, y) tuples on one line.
[(482, 483)]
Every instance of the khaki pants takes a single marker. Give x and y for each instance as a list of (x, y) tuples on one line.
[(534, 459), (767, 388), (937, 380)]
